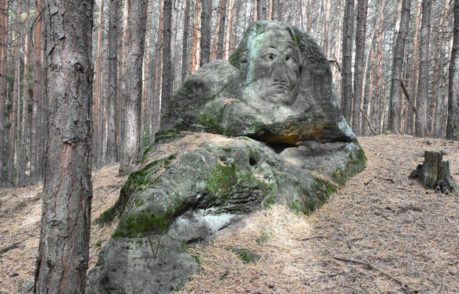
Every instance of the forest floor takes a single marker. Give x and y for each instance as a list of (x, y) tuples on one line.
[(381, 233)]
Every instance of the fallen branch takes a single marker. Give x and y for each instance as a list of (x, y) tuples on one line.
[(312, 238), (9, 247), (403, 285)]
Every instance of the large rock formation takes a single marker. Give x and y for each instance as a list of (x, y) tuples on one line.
[(269, 132)]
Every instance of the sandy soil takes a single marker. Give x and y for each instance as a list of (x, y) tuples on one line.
[(381, 233)]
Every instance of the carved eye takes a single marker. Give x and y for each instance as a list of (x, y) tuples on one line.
[(287, 58), (269, 57)]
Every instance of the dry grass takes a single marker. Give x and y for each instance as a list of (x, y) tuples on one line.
[(382, 233)]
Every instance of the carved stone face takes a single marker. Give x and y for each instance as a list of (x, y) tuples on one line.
[(273, 67)]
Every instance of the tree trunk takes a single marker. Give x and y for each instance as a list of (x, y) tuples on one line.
[(434, 173), (402, 28), (13, 115), (195, 49), (112, 98), (186, 33), (452, 129), (3, 81), (346, 73), (132, 85), (221, 29), (423, 82), (96, 103), (25, 130), (166, 92), (413, 82), (65, 225), (206, 15), (362, 8), (327, 8), (262, 9)]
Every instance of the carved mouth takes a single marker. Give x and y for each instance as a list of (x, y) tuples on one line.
[(281, 85)]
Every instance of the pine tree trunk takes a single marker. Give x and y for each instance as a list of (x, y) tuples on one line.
[(452, 129), (261, 9), (131, 88), (362, 8), (186, 33), (423, 83), (413, 83), (327, 8), (195, 49), (112, 98), (167, 79), (206, 15), (65, 226), (346, 73), (25, 130), (397, 66), (221, 29), (3, 81), (96, 109), (13, 115)]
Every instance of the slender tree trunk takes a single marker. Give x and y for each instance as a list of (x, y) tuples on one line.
[(413, 83), (261, 9), (158, 64), (167, 78), (346, 73), (132, 85), (25, 130), (112, 99), (452, 128), (423, 82), (186, 33), (362, 8), (65, 226), (397, 66), (206, 15), (195, 49), (13, 115), (97, 111), (326, 29), (221, 29), (3, 81)]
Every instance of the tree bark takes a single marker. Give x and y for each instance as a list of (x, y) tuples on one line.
[(112, 98), (362, 9), (206, 15), (327, 8), (346, 73), (3, 81), (195, 49), (131, 85), (13, 115), (423, 81), (186, 33), (65, 225), (167, 79), (262, 9), (397, 66), (97, 99), (221, 29), (452, 129)]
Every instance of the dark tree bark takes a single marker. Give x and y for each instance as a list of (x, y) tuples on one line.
[(423, 82), (362, 9), (186, 34), (167, 79), (65, 226), (3, 81), (346, 73), (221, 29), (13, 115), (452, 129), (262, 9), (397, 66), (434, 173), (131, 85), (206, 15), (112, 99)]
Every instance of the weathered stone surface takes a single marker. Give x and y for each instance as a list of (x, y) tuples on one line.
[(277, 88), (193, 186), (274, 135)]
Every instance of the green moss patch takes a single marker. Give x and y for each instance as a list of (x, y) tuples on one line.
[(246, 255), (222, 179)]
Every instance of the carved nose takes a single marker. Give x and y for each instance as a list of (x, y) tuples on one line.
[(280, 74)]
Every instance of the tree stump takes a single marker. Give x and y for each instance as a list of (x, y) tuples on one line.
[(434, 173)]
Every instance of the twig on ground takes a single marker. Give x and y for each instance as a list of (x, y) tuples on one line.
[(404, 286), (9, 247), (312, 238)]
